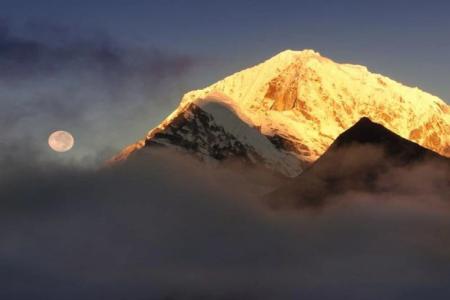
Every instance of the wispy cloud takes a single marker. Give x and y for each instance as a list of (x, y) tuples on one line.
[(88, 83)]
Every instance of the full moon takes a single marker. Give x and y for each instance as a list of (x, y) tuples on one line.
[(61, 141)]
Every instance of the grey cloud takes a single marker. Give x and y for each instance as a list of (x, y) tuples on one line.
[(364, 168), (23, 56), (164, 226)]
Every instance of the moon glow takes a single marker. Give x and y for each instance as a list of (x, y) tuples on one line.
[(61, 141)]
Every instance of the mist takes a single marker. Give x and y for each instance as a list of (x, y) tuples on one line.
[(166, 226)]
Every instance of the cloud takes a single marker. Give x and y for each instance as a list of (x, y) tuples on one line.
[(108, 93), (164, 226), (22, 56), (365, 168)]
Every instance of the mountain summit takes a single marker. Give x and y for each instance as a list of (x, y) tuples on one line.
[(287, 111)]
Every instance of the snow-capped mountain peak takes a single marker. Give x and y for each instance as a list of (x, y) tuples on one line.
[(300, 102)]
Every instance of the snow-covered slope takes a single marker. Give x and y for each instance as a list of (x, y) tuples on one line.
[(301, 101)]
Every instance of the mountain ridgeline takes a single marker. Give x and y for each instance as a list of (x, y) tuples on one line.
[(286, 112)]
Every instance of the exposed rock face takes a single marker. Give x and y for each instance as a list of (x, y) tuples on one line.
[(302, 101), (212, 132), (196, 131)]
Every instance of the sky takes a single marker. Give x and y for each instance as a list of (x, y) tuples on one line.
[(405, 39), (171, 47)]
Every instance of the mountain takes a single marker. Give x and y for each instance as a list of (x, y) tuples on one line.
[(293, 106), (354, 162)]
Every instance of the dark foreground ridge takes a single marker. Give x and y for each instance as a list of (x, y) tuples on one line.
[(353, 162), (367, 132)]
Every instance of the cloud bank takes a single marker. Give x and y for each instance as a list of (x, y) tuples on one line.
[(164, 226)]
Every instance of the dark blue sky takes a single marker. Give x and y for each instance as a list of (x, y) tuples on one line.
[(407, 40), (108, 71)]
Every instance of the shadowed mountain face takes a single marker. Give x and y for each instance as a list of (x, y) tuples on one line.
[(360, 160), (196, 132), (400, 150), (212, 132)]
